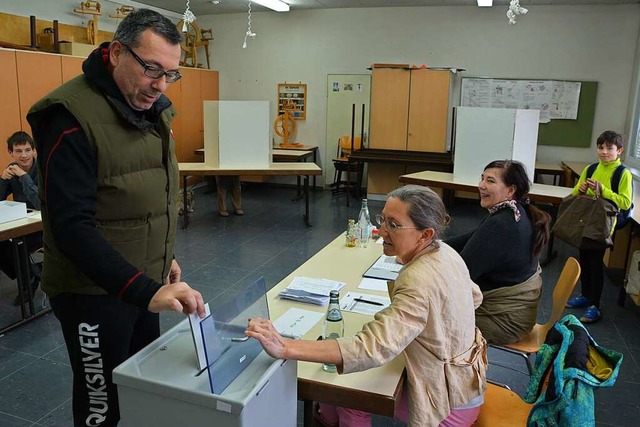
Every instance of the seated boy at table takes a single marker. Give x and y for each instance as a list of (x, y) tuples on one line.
[(20, 179)]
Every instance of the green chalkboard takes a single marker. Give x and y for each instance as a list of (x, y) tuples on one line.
[(569, 133), (573, 133)]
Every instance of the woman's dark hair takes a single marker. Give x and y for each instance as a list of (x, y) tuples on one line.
[(515, 174)]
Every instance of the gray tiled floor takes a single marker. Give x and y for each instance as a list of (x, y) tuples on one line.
[(218, 255)]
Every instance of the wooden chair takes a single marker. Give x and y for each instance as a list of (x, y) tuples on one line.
[(341, 162), (532, 343), (502, 408)]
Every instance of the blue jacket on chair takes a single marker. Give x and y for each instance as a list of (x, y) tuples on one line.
[(569, 354)]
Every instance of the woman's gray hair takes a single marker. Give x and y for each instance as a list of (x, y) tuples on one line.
[(426, 208), (129, 30)]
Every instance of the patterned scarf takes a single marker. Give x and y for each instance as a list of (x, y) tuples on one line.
[(511, 204)]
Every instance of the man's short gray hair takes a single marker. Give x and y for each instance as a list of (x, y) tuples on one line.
[(129, 30)]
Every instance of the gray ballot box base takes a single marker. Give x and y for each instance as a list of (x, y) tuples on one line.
[(161, 386)]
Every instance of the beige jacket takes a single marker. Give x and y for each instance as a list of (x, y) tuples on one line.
[(431, 319)]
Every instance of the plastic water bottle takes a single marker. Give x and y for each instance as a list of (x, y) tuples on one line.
[(333, 325), (364, 222)]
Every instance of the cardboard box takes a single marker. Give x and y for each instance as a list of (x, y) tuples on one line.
[(10, 211), (76, 49)]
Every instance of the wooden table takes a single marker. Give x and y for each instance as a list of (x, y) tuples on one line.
[(15, 231), (375, 390), (555, 170), (539, 192), (573, 171), (432, 161), (275, 169), (298, 147)]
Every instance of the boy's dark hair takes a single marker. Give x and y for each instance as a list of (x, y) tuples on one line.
[(129, 30), (610, 137), (19, 138), (514, 173)]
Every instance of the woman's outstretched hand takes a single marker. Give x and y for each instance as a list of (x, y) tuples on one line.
[(270, 339)]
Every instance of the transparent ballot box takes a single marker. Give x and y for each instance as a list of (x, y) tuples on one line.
[(241, 387)]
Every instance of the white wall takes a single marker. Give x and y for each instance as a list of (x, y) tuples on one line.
[(551, 42)]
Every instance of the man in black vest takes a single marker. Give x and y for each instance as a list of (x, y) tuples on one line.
[(109, 189)]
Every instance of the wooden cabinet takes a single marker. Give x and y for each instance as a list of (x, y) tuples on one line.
[(190, 135), (28, 76), (10, 105), (409, 111)]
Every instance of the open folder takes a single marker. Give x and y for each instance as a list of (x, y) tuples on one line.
[(385, 267)]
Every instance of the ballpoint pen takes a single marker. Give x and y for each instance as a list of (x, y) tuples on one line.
[(367, 301)]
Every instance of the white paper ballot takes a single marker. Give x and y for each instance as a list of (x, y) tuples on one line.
[(196, 333), (363, 303), (371, 284), (296, 322)]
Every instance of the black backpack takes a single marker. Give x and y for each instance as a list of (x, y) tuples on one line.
[(623, 215)]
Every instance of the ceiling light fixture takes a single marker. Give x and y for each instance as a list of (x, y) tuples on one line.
[(277, 5), (485, 3)]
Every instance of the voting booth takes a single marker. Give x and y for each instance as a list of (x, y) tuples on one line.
[(241, 386), (237, 134), (486, 134)]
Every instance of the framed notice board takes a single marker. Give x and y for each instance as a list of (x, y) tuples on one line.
[(293, 95), (566, 132)]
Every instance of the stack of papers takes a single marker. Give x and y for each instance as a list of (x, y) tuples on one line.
[(310, 290)]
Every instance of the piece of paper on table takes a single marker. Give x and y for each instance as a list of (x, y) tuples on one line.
[(296, 322), (375, 303), (371, 284), (387, 263), (310, 290), (380, 241), (196, 333)]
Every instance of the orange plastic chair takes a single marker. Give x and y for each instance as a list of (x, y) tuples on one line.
[(532, 343), (341, 162)]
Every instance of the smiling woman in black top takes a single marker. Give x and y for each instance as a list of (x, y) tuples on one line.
[(502, 254)]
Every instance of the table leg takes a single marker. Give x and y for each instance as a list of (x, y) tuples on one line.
[(307, 217), (315, 152), (348, 181), (17, 246), (622, 293), (308, 413), (185, 211)]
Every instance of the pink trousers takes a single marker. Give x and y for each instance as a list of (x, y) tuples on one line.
[(335, 416)]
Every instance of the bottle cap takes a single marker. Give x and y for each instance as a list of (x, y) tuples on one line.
[(375, 231)]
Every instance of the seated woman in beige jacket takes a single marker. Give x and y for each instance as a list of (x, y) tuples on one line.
[(430, 320)]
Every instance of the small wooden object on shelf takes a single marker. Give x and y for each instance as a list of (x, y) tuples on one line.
[(284, 125)]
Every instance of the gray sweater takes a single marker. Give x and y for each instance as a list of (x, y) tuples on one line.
[(498, 252)]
